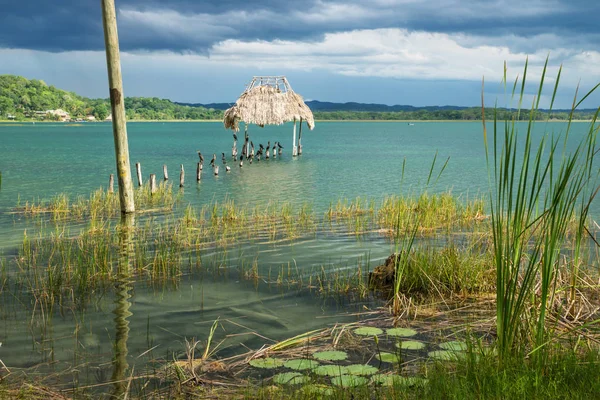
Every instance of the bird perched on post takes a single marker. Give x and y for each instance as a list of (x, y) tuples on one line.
[(267, 152), (223, 158), (274, 149), (214, 158), (279, 146), (200, 156)]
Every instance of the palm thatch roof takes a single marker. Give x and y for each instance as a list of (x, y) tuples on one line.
[(268, 101)]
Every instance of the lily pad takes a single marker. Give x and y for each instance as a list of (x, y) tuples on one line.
[(401, 332), (347, 381), (446, 355), (454, 346), (330, 370), (330, 355), (410, 345), (387, 357), (368, 331), (361, 369), (291, 378), (301, 364), (267, 363)]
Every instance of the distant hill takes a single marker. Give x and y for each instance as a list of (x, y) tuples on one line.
[(22, 99), (326, 106), (316, 105)]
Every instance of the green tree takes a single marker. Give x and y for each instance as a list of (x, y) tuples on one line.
[(101, 112)]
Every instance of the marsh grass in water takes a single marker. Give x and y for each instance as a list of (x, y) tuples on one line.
[(100, 204)]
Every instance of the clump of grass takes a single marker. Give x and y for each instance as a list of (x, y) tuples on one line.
[(534, 192), (447, 272), (434, 212)]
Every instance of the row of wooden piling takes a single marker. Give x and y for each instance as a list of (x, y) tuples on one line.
[(153, 186)]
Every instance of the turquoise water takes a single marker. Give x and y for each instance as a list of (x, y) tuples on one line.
[(340, 160)]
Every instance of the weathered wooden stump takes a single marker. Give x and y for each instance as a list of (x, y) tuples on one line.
[(153, 187), (165, 172), (198, 172), (111, 183), (181, 176)]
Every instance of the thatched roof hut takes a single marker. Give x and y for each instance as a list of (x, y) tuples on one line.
[(268, 101)]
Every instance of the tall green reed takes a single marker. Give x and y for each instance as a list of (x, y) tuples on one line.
[(535, 188)]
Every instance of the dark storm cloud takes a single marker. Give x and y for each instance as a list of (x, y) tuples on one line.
[(193, 26)]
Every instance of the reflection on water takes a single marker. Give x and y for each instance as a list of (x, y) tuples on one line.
[(123, 287)]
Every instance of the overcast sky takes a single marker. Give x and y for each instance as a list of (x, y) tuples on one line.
[(413, 52)]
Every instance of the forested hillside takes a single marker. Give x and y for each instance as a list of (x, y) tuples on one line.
[(21, 98)]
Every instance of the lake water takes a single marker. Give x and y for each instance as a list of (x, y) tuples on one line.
[(340, 160)]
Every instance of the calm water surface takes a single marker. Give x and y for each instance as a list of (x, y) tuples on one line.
[(340, 160)]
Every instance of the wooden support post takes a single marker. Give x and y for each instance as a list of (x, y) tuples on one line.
[(165, 172), (216, 170), (153, 183), (300, 138), (294, 148), (246, 142), (198, 172), (111, 183), (181, 176), (138, 168), (117, 105)]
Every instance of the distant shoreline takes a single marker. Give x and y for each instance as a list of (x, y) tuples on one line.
[(407, 121)]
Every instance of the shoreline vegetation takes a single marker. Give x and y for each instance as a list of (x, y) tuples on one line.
[(28, 100), (493, 297)]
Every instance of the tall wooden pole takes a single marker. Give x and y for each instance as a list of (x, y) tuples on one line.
[(115, 84)]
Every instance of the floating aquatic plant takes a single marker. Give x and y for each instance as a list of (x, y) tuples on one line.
[(401, 332), (330, 370), (333, 355), (368, 331), (349, 381), (361, 369), (454, 346), (267, 363), (410, 345), (301, 364), (387, 357), (291, 378)]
